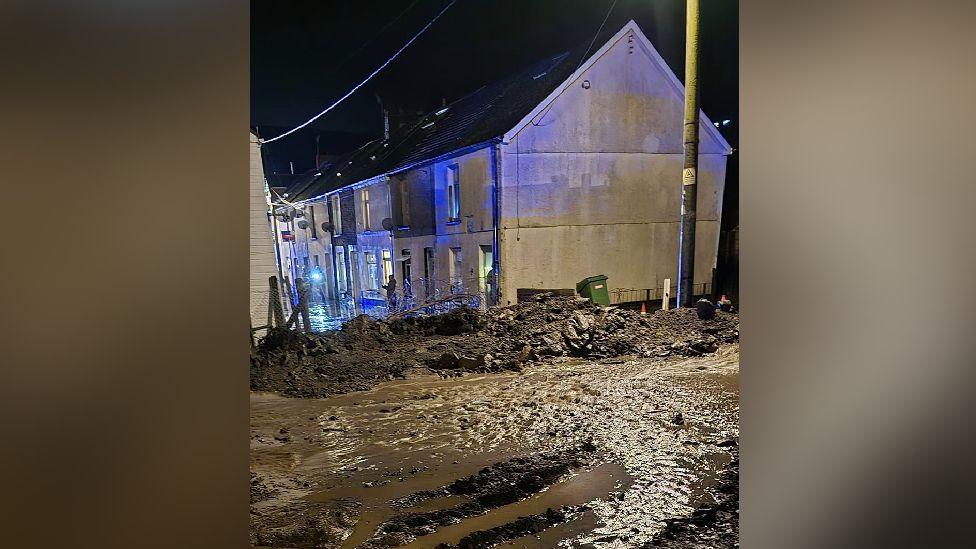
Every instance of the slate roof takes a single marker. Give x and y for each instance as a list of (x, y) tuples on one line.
[(486, 113)]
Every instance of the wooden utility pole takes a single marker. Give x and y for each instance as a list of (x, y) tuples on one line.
[(689, 176)]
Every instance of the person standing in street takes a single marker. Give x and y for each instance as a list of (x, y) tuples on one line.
[(391, 294)]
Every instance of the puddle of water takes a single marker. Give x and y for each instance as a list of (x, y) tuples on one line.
[(577, 489)]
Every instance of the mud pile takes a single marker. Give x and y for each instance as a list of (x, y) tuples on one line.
[(552, 325), (367, 351), (363, 353)]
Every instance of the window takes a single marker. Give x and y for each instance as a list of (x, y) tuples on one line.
[(407, 276), (453, 193), (341, 269), (316, 256), (311, 220), (336, 215), (455, 271), (365, 197), (387, 265), (404, 204), (487, 264), (372, 271)]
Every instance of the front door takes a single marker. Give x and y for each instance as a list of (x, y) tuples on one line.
[(486, 264)]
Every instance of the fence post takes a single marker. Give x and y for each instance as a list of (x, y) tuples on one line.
[(274, 302), (303, 291), (666, 298), (288, 292)]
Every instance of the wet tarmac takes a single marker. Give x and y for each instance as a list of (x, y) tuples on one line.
[(341, 470)]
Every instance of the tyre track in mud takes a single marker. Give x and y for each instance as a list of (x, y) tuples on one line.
[(364, 453)]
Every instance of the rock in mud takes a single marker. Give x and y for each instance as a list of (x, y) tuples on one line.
[(705, 309)]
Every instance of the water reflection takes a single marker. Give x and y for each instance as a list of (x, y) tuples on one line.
[(331, 314)]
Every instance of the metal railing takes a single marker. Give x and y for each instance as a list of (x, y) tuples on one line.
[(439, 295), (634, 295)]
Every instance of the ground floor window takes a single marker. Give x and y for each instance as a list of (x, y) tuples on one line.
[(372, 271), (486, 264), (456, 270), (387, 265), (341, 281)]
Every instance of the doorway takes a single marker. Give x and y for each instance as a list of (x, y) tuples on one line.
[(485, 265), (429, 275)]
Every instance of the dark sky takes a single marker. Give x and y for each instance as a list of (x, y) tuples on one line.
[(306, 54)]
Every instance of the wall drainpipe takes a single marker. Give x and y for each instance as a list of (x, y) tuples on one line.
[(496, 168)]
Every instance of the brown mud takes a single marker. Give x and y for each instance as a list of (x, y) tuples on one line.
[(367, 351), (630, 451), (710, 525)]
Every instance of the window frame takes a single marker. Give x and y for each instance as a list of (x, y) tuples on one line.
[(387, 257), (311, 220), (371, 266), (453, 180), (364, 198), (336, 208)]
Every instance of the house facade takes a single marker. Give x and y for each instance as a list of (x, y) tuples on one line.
[(561, 171), (263, 259)]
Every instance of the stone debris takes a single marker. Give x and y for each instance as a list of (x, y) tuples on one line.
[(367, 351)]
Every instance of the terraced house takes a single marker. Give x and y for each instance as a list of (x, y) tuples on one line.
[(566, 169)]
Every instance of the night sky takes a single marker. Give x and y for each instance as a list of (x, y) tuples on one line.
[(307, 54)]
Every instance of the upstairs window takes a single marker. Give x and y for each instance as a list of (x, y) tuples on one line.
[(453, 193), (336, 215), (404, 204), (365, 197), (311, 220)]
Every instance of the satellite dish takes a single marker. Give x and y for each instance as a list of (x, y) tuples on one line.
[(326, 226), (303, 224), (387, 224)]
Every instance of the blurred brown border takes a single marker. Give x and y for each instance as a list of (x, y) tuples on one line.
[(125, 260), (857, 196), (125, 379)]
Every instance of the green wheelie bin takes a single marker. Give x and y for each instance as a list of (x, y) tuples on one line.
[(595, 289)]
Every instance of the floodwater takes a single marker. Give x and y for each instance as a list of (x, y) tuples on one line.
[(330, 315), (371, 449)]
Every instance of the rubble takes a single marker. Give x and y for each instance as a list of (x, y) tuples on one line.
[(367, 351)]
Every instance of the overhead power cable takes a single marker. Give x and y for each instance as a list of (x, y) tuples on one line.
[(368, 78), (377, 35), (582, 58)]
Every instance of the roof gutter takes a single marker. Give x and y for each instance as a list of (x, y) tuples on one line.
[(452, 154)]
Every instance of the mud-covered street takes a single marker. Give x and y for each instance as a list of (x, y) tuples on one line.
[(576, 452)]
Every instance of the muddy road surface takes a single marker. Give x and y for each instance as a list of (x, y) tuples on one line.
[(623, 452)]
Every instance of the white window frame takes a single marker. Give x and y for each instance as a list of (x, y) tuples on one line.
[(336, 214), (387, 264), (453, 180), (371, 266), (364, 197)]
